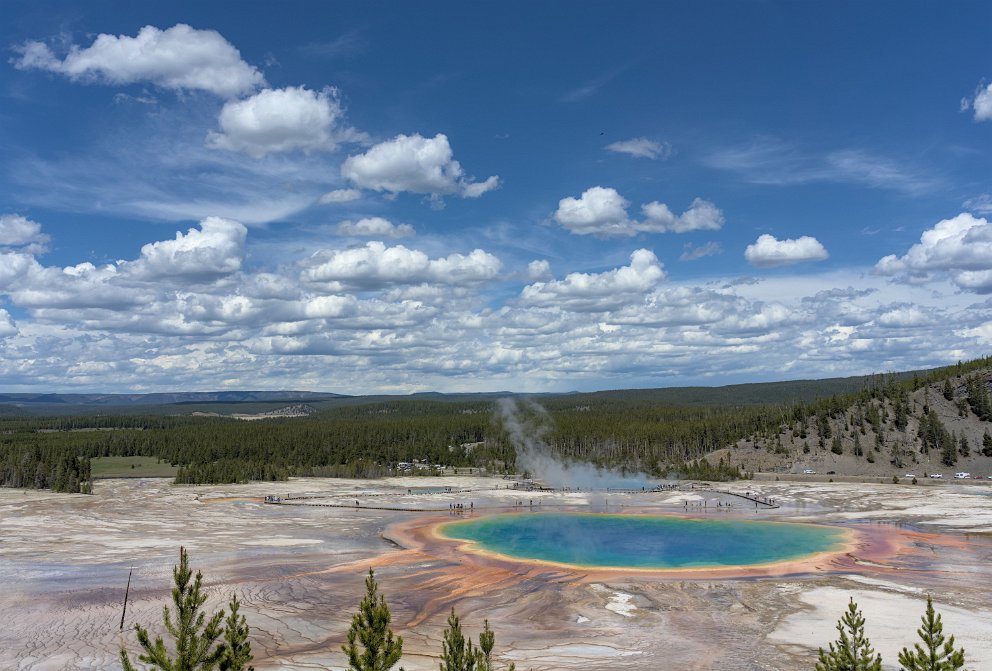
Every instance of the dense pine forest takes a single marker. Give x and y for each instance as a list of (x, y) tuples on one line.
[(882, 418)]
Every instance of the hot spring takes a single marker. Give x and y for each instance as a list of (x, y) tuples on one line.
[(643, 541)]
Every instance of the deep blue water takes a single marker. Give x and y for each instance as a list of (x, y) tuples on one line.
[(643, 541)]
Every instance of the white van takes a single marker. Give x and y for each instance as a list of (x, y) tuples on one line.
[(962, 476)]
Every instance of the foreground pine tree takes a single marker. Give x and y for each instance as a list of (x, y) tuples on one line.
[(194, 638), (936, 653), (237, 649), (487, 639), (370, 628), (457, 653), (852, 651)]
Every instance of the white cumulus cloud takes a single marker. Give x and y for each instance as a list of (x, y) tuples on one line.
[(375, 227), (329, 307), (641, 147), (982, 103), (375, 265), (414, 164), (539, 269), (215, 249), (702, 215), (7, 326), (768, 251), (960, 247), (178, 58), (280, 120), (16, 231), (602, 211), (598, 211), (904, 316), (598, 291)]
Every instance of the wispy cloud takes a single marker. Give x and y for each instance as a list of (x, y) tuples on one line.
[(591, 87), (693, 252), (774, 162), (641, 147), (352, 43), (878, 171), (979, 204), (170, 178)]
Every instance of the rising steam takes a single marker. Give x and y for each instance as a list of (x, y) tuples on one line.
[(527, 427)]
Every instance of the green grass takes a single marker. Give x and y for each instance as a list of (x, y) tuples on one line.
[(131, 467)]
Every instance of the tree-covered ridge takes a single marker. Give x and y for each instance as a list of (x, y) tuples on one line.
[(891, 418), (938, 420), (366, 440)]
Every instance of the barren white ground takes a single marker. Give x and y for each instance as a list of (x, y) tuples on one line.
[(64, 563)]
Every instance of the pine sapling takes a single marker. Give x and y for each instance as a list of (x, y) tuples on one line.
[(194, 638), (936, 653), (237, 648), (370, 645), (487, 640), (852, 651), (457, 652)]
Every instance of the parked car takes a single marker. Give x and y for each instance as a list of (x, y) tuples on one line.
[(962, 476), (936, 476), (809, 471), (910, 475)]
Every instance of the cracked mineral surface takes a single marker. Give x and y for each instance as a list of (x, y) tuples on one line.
[(299, 570)]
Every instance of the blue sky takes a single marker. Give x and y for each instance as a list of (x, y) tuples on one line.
[(395, 197)]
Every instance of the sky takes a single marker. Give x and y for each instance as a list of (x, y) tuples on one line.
[(397, 197)]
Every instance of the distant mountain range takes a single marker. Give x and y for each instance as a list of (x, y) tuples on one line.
[(227, 402), (167, 398)]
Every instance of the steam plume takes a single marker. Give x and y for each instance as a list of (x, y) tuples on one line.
[(527, 427)]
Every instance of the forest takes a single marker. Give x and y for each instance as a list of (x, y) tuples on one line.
[(644, 430)]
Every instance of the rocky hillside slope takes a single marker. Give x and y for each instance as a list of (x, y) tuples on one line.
[(938, 424)]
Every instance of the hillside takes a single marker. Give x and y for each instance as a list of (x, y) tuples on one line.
[(938, 424)]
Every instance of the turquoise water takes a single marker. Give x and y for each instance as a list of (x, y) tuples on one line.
[(643, 541)]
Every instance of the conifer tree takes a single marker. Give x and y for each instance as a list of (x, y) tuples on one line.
[(370, 628), (194, 637), (457, 652), (949, 451), (853, 651), (487, 639), (936, 653), (237, 649)]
